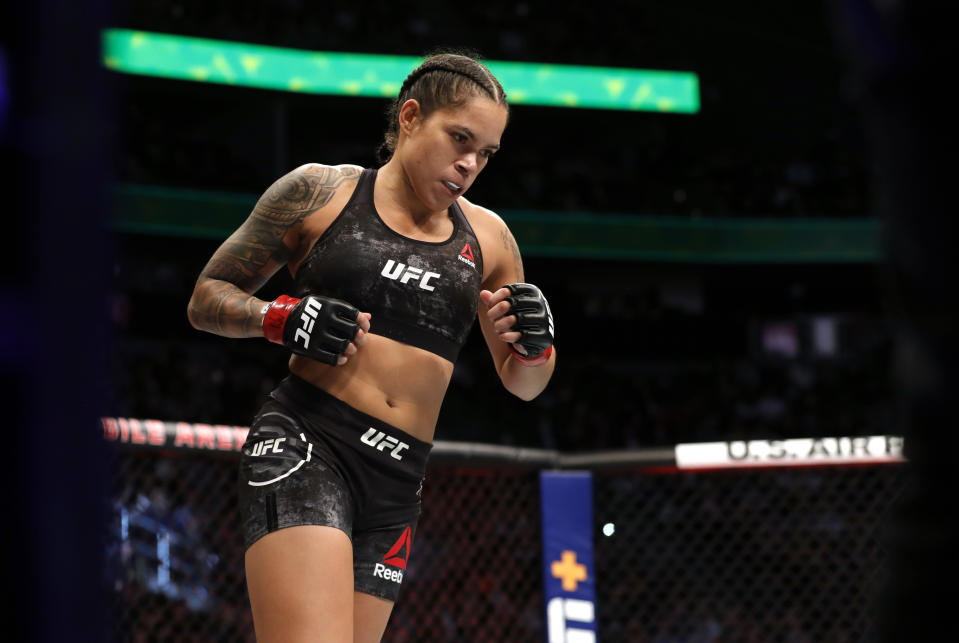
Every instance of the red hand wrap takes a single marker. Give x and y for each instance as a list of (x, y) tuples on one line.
[(540, 359), (275, 318)]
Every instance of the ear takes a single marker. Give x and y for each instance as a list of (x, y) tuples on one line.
[(410, 114)]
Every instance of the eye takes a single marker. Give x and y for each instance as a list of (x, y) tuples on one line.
[(459, 138), (488, 153)]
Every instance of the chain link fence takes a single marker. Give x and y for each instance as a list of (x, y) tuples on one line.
[(175, 552), (760, 555), (742, 556)]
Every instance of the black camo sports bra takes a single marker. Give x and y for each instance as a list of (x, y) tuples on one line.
[(421, 293)]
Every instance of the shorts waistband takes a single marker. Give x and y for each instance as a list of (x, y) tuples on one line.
[(344, 418)]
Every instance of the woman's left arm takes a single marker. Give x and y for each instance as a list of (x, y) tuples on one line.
[(515, 318)]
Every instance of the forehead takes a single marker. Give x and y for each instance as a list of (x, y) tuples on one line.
[(485, 117)]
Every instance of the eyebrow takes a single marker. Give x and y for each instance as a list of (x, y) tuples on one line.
[(470, 133)]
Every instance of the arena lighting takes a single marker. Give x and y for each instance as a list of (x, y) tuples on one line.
[(351, 74)]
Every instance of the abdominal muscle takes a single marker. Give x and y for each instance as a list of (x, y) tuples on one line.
[(400, 384)]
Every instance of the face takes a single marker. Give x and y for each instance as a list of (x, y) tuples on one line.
[(444, 153)]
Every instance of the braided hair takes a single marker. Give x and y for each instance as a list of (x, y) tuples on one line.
[(443, 81)]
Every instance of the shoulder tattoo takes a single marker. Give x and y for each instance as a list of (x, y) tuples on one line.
[(252, 254), (293, 197), (256, 249)]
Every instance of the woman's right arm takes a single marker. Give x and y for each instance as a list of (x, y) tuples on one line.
[(223, 301)]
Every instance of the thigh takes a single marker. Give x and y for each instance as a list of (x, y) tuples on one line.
[(380, 562), (370, 616), (380, 558), (300, 582)]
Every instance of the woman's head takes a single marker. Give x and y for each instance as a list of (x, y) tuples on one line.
[(442, 82), (444, 127)]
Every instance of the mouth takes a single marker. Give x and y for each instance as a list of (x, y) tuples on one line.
[(454, 188)]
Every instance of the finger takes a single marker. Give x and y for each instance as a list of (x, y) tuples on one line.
[(360, 339), (499, 310), (350, 349), (498, 296), (363, 319), (504, 324), (341, 360), (512, 337), (485, 296)]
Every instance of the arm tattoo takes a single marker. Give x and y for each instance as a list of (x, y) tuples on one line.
[(510, 244), (223, 299)]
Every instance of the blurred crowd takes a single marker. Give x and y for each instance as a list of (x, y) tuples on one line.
[(597, 403), (638, 368), (174, 551), (775, 136)]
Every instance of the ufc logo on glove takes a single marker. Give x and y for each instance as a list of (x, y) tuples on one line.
[(307, 319), (319, 327)]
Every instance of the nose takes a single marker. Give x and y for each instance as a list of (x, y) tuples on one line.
[(466, 164)]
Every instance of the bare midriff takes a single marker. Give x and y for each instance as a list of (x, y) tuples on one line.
[(397, 383)]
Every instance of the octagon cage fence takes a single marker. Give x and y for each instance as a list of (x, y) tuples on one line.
[(704, 542)]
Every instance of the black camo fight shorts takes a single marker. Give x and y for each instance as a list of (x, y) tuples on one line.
[(311, 459)]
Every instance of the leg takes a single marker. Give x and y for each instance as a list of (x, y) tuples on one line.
[(370, 615), (379, 565), (300, 581)]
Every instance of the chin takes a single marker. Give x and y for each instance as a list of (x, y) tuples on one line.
[(444, 202)]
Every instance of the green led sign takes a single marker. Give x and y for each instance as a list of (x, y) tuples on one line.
[(317, 72)]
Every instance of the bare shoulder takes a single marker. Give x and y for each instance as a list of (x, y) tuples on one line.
[(322, 180), (483, 220), (303, 191), (306, 200), (500, 250), (345, 171), (329, 184)]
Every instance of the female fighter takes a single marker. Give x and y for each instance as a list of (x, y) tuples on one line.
[(391, 267)]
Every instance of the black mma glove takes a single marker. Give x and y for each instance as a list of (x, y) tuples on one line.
[(316, 327), (534, 321)]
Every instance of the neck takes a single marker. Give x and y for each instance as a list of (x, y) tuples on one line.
[(394, 192)]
